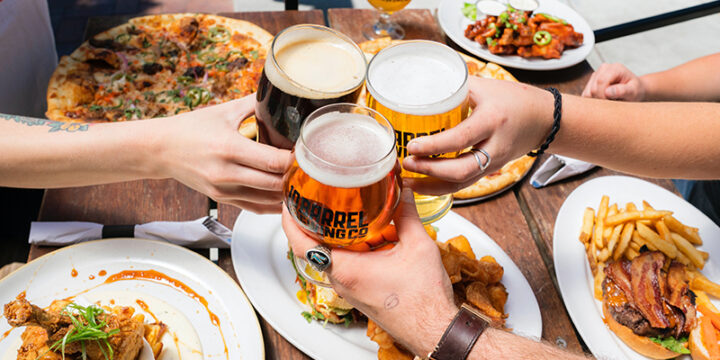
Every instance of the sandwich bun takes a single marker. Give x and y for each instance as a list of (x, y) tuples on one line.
[(641, 344)]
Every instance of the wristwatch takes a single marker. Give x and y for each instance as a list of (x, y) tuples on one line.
[(461, 335)]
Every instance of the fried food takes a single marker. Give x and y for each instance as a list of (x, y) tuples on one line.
[(522, 33), (48, 327)]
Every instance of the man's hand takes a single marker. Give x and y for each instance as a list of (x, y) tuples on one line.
[(204, 150), (615, 82), (406, 289)]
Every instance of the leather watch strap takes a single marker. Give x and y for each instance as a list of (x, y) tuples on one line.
[(460, 336)]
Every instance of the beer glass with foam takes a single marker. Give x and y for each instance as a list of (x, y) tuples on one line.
[(421, 87), (308, 66)]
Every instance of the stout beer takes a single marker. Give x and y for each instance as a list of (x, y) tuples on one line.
[(309, 66), (421, 88), (344, 184)]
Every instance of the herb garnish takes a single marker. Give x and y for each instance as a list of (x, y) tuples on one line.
[(91, 329)]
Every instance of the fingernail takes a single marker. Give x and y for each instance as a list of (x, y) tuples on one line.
[(414, 145), (611, 91)]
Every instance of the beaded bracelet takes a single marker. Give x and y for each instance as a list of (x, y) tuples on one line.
[(557, 114)]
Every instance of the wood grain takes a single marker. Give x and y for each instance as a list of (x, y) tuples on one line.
[(418, 23)]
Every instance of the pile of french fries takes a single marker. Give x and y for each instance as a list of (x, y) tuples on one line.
[(613, 234)]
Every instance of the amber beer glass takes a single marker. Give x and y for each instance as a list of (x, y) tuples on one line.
[(389, 5), (384, 27), (421, 87), (308, 66), (344, 184)]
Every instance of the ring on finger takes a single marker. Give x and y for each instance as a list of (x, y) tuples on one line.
[(319, 257), (482, 165)]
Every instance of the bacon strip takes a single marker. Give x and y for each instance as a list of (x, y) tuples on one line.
[(646, 292), (679, 296), (619, 273)]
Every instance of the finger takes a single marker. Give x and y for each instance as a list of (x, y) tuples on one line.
[(242, 108), (255, 207), (456, 170), (617, 92), (248, 194), (407, 221), (299, 241), (466, 134), (587, 91), (260, 156), (234, 175), (432, 186)]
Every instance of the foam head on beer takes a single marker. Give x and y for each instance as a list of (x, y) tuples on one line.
[(418, 78), (314, 63), (346, 150)]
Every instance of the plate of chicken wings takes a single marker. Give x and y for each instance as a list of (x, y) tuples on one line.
[(125, 299), (550, 37)]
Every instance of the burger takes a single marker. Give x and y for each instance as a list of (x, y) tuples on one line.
[(648, 304), (323, 303)]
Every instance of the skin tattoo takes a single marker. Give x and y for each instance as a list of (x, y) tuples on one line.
[(54, 126)]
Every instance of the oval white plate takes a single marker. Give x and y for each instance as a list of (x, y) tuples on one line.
[(259, 252), (573, 270), (454, 24), (49, 277)]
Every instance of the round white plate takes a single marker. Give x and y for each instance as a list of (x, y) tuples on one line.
[(573, 270), (454, 24), (259, 253), (49, 277)]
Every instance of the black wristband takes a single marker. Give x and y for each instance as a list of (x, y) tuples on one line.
[(557, 115), (460, 337)]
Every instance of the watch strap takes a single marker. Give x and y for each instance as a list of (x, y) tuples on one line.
[(460, 337)]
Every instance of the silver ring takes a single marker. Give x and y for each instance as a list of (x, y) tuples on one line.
[(482, 166), (319, 257)]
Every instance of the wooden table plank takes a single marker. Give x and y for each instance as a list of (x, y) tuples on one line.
[(276, 347), (501, 217)]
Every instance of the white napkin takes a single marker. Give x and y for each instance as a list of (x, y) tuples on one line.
[(205, 232), (556, 168)]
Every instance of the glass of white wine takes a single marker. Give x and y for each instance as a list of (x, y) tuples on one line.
[(384, 27)]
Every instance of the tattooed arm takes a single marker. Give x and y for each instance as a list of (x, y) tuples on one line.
[(201, 149), (407, 291)]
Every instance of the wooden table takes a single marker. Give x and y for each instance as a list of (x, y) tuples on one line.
[(520, 221)]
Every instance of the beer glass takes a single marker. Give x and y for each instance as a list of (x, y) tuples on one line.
[(421, 87), (344, 184), (383, 26), (309, 66)]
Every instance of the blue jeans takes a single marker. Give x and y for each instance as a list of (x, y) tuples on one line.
[(703, 194)]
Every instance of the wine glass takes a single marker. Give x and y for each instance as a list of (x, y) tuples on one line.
[(384, 27)]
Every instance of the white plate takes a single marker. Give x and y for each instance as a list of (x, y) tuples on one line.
[(572, 268), (454, 24), (49, 277), (259, 253)]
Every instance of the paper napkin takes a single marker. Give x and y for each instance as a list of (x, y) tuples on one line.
[(205, 232), (556, 168)]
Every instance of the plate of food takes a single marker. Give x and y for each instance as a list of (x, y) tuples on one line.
[(492, 184), (99, 300), (324, 326), (637, 268), (156, 66), (548, 36)]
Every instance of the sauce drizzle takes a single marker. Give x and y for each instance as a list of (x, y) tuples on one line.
[(91, 277), (73, 273), (145, 307), (102, 273), (158, 277)]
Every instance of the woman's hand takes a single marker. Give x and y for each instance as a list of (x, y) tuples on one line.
[(508, 120), (406, 289), (615, 82), (204, 150)]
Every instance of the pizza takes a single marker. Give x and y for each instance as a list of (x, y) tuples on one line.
[(511, 172), (156, 66)]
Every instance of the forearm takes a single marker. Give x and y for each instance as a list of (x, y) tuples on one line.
[(666, 140), (498, 344), (697, 80), (40, 153)]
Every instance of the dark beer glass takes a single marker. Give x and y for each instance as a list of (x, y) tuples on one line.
[(309, 66)]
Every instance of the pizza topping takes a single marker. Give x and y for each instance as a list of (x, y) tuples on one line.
[(195, 72), (152, 68)]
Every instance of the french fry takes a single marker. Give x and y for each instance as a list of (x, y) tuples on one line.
[(600, 222), (630, 207), (700, 282), (705, 255), (645, 222), (637, 239), (635, 215), (646, 206), (604, 255), (607, 232), (662, 230), (701, 298), (591, 252), (624, 239), (681, 258), (676, 226), (667, 247), (635, 246), (631, 254), (614, 237), (688, 250), (587, 226), (599, 277)]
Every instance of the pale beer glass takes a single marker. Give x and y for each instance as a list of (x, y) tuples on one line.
[(421, 87), (384, 27)]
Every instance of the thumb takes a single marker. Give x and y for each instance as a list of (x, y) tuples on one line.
[(407, 221), (617, 92)]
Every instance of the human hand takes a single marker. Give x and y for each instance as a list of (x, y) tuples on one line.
[(204, 150), (615, 82), (406, 289), (508, 120)]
